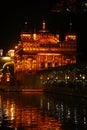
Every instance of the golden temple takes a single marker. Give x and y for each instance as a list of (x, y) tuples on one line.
[(43, 50)]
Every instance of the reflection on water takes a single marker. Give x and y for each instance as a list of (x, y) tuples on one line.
[(39, 111)]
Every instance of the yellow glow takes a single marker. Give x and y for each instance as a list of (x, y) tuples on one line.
[(6, 58), (8, 77), (49, 54), (8, 63), (12, 55), (16, 47), (45, 50), (25, 35), (34, 36), (12, 110), (44, 25), (70, 37)]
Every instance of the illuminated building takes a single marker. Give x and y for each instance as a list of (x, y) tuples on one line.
[(42, 50)]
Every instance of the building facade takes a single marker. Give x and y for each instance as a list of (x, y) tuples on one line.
[(43, 50)]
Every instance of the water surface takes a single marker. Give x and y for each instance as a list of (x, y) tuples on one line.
[(41, 111)]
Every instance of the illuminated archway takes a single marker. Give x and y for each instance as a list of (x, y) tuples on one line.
[(8, 63)]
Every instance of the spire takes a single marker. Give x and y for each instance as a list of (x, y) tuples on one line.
[(70, 25), (43, 27), (71, 34), (70, 30), (25, 26)]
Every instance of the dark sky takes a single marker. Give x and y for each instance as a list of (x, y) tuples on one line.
[(13, 15)]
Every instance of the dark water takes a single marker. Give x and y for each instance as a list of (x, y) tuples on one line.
[(40, 111)]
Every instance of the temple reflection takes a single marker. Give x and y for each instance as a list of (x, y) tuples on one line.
[(39, 111)]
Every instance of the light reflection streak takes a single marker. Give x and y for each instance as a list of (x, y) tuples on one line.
[(12, 111), (40, 112)]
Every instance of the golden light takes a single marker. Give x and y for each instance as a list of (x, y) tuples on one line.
[(34, 36), (11, 53), (7, 58), (45, 50), (16, 47), (49, 54)]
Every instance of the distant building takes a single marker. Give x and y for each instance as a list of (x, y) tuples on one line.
[(42, 50)]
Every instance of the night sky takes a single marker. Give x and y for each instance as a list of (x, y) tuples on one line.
[(14, 14)]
